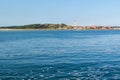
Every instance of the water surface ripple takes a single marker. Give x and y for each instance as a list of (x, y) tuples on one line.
[(60, 55)]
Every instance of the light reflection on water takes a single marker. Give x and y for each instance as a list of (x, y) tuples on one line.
[(59, 55)]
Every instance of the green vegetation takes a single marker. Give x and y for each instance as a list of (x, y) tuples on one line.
[(39, 26)]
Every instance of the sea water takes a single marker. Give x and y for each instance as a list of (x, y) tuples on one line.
[(60, 55)]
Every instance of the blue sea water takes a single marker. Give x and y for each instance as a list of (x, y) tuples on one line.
[(60, 55)]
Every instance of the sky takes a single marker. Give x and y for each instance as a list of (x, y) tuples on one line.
[(84, 12)]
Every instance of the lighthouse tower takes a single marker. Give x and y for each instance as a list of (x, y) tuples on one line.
[(75, 25)]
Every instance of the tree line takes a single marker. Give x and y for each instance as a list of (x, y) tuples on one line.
[(38, 26)]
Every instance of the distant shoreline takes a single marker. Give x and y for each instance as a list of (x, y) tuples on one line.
[(51, 29), (61, 26)]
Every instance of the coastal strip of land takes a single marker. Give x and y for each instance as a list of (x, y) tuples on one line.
[(57, 27)]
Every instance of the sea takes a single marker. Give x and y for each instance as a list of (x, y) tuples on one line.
[(60, 55)]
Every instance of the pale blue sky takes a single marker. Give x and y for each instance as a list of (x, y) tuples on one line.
[(85, 12)]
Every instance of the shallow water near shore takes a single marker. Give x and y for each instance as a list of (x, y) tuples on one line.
[(60, 55)]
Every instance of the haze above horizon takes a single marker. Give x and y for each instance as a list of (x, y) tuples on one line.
[(85, 12)]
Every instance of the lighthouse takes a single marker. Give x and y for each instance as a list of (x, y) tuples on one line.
[(75, 25)]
